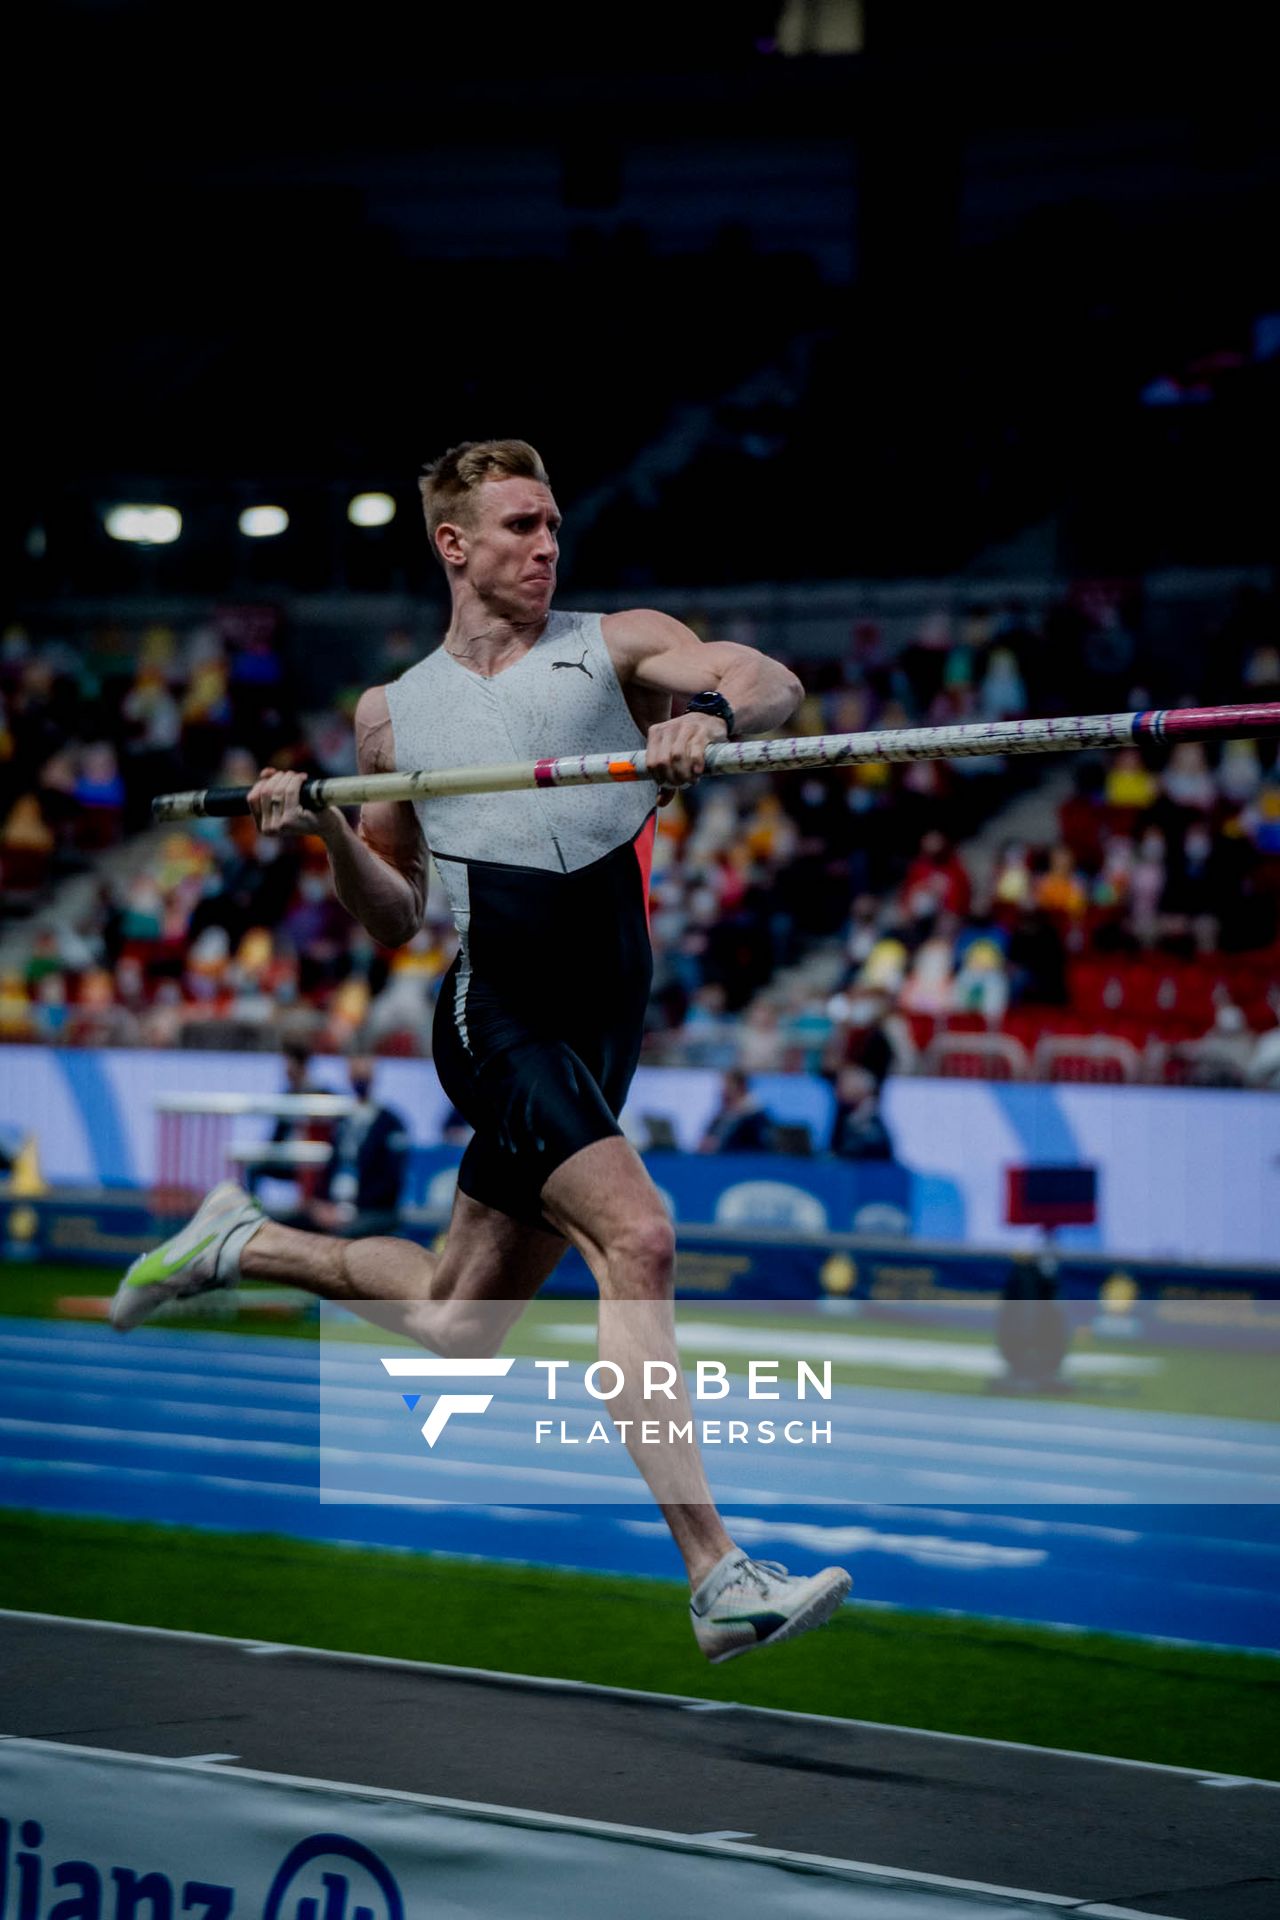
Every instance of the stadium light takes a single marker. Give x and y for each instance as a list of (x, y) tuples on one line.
[(371, 510), (144, 526), (263, 523)]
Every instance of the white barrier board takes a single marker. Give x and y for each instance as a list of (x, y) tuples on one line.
[(91, 1835), (1183, 1173)]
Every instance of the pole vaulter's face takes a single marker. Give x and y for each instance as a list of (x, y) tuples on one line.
[(512, 547)]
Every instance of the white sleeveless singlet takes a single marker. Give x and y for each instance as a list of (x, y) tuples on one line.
[(563, 697)]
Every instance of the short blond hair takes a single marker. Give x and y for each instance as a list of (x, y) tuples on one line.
[(447, 485)]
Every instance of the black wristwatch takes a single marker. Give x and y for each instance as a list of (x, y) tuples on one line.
[(714, 704)]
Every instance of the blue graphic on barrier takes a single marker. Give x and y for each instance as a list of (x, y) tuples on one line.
[(85, 1073), (321, 1850), (1186, 1173), (777, 1191)]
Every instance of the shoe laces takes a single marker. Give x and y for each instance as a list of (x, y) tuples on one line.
[(762, 1572)]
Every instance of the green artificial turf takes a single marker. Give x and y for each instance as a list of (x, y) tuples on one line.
[(32, 1290), (1097, 1693)]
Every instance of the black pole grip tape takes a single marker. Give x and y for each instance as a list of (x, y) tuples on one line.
[(223, 803)]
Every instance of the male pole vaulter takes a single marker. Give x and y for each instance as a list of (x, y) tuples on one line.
[(537, 1028)]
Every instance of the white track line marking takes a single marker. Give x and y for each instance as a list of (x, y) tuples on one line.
[(1100, 1910), (549, 1683), (1100, 1426), (625, 1488)]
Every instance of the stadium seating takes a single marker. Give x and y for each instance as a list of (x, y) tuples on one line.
[(1133, 933), (976, 1056)]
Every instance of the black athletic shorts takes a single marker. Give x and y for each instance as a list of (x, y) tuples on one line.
[(537, 1029)]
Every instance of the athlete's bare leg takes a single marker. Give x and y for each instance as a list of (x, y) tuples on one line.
[(604, 1201), (465, 1299), (487, 1257)]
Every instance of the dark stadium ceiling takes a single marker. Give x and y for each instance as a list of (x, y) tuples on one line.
[(218, 218)]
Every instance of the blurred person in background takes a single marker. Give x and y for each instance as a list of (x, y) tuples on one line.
[(762, 1043), (863, 929), (1012, 884), (740, 1124), (1224, 1055), (1147, 884), (866, 1032), (1037, 960), (936, 880), (709, 1035), (318, 931), (358, 1192), (399, 1017), (295, 1057), (929, 987), (51, 1015), (1264, 1062), (1196, 889), (1060, 889), (858, 1131), (153, 730), (981, 982), (1130, 788)]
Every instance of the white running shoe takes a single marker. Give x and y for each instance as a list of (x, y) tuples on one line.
[(745, 1603), (189, 1262)]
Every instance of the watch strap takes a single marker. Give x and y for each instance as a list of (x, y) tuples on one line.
[(714, 704)]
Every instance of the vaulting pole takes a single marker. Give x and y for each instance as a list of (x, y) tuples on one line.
[(814, 752)]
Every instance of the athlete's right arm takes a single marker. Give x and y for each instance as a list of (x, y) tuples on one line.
[(379, 867)]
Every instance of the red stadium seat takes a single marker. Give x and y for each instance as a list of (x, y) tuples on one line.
[(1096, 1057), (976, 1056), (1165, 1064), (923, 1026), (1099, 988), (964, 1023)]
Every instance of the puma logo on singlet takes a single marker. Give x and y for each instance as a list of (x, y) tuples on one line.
[(581, 665)]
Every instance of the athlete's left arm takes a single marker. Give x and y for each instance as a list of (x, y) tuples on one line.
[(651, 650)]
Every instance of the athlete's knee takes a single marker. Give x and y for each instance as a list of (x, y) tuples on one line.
[(642, 1253)]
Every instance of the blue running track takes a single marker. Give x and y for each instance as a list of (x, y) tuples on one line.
[(1142, 1524)]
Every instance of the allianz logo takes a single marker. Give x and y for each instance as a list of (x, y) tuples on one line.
[(324, 1877), (771, 1203)]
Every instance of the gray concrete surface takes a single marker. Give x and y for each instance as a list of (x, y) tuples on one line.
[(1089, 1831)]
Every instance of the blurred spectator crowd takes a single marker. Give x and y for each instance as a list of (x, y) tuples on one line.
[(854, 922)]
